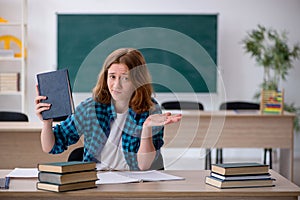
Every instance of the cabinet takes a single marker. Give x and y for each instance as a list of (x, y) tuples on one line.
[(13, 37)]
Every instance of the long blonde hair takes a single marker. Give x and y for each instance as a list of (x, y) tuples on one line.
[(139, 75)]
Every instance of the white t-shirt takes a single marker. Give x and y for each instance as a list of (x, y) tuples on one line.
[(112, 157)]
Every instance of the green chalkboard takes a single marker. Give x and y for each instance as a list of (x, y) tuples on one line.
[(180, 50)]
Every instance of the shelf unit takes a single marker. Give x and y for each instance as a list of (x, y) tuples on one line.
[(17, 64)]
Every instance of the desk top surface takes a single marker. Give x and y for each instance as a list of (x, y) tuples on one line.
[(193, 185)]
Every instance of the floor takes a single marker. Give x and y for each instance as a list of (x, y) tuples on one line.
[(176, 159)]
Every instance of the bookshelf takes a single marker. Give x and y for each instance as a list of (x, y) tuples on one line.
[(13, 38)]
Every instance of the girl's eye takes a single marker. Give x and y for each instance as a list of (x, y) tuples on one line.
[(125, 78), (112, 76)]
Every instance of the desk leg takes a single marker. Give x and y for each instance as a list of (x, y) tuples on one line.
[(286, 163)]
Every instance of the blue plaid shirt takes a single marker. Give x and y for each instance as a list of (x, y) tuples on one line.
[(93, 120)]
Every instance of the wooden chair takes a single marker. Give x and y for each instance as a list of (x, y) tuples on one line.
[(241, 105), (188, 105), (13, 116)]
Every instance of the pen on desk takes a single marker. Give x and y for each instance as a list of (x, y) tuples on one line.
[(7, 180)]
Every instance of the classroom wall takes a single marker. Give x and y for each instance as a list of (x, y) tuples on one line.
[(239, 73)]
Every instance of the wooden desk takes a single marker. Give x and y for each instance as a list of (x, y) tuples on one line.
[(20, 146), (20, 141), (193, 187)]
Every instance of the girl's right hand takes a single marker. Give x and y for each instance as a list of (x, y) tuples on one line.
[(40, 107)]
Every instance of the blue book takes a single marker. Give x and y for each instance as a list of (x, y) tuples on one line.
[(56, 87), (4, 182)]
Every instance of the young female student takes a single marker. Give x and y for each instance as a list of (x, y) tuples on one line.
[(121, 123)]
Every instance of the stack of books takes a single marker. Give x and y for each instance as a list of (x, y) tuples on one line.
[(66, 176), (9, 82), (240, 175)]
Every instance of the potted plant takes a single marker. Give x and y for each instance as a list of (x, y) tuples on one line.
[(271, 51)]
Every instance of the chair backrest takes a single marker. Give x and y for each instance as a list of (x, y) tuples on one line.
[(239, 105), (182, 105), (76, 154), (13, 116)]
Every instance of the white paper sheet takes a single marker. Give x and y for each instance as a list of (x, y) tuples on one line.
[(24, 173)]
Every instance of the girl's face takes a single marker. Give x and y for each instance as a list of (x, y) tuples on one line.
[(119, 83)]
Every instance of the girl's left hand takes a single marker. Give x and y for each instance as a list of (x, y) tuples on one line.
[(162, 119)]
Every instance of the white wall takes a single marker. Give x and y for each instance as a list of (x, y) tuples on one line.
[(239, 72)]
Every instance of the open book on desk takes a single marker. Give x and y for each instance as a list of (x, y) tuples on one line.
[(114, 177)]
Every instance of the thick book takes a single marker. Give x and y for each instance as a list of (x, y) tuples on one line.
[(116, 177), (240, 177), (56, 87), (74, 177), (66, 167), (65, 187), (268, 182), (240, 168)]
